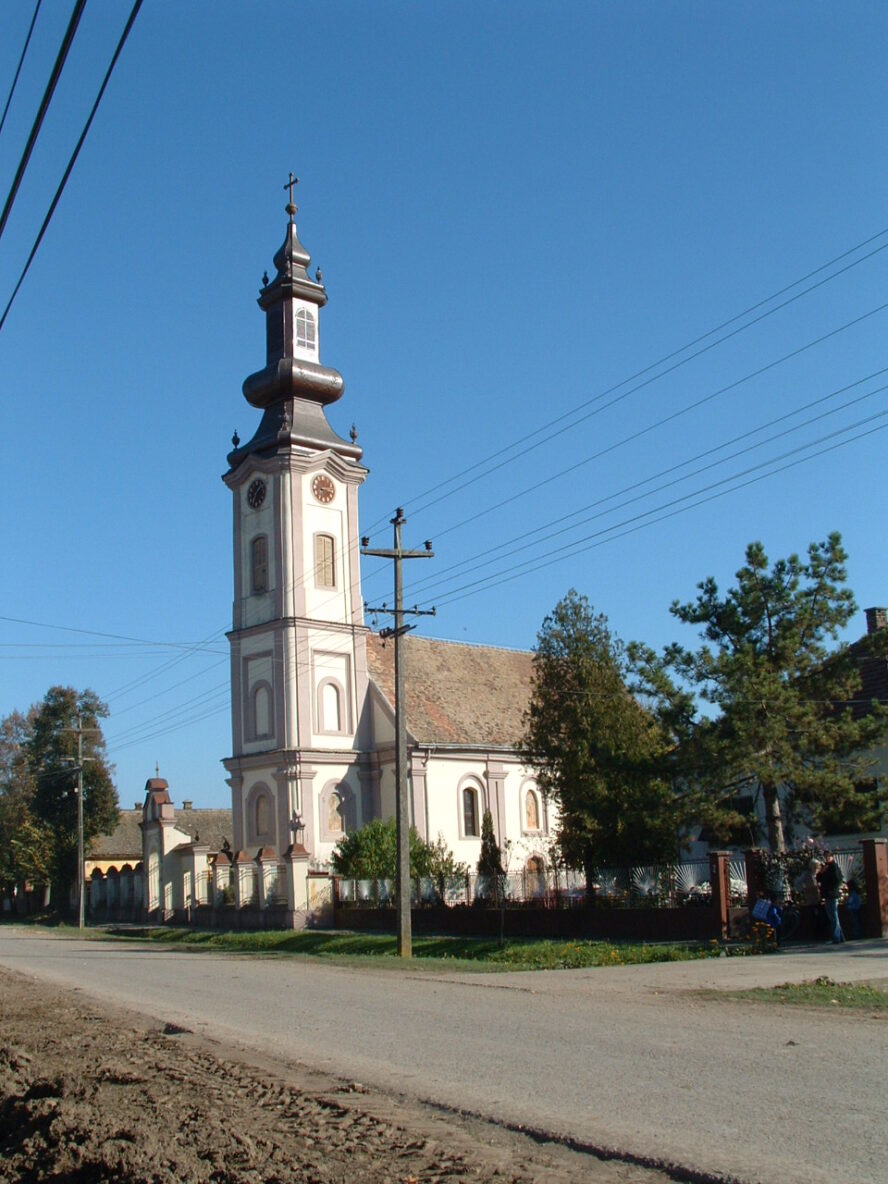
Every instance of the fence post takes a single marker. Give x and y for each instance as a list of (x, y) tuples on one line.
[(296, 872), (755, 875), (719, 864), (875, 876)]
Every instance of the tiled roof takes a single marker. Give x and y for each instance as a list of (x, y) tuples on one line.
[(873, 683), (211, 826), (456, 694), (125, 841)]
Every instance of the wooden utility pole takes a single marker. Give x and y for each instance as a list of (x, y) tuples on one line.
[(405, 937), (81, 869)]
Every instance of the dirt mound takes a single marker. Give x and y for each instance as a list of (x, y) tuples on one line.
[(89, 1095)]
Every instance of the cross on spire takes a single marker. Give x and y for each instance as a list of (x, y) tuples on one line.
[(291, 207)]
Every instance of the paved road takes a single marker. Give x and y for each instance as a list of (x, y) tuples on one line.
[(628, 1058)]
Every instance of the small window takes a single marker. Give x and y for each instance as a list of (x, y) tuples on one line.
[(531, 811), (306, 335), (259, 564), (325, 566), (470, 813)]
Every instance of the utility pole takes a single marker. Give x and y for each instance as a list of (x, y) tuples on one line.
[(81, 871), (405, 937)]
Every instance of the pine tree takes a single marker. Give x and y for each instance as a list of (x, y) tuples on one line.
[(786, 727), (597, 752)]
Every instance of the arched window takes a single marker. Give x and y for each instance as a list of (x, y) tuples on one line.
[(306, 332), (531, 810), (261, 711), (259, 564), (331, 706), (471, 828), (262, 810), (325, 561)]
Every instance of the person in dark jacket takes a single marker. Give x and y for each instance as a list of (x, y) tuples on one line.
[(830, 879)]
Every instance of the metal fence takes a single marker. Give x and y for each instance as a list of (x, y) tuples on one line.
[(670, 885)]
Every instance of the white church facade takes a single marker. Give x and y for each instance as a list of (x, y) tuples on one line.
[(312, 688)]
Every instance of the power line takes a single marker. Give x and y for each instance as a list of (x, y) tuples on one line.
[(653, 365), (41, 111), (637, 435), (633, 524), (64, 181), (489, 554), (18, 69)]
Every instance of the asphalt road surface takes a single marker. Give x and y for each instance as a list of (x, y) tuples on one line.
[(628, 1058)]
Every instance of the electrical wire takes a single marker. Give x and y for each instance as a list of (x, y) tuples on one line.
[(584, 545), (524, 491), (67, 41), (64, 181), (652, 366), (554, 528), (18, 68)]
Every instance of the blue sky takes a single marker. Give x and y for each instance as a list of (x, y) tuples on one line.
[(516, 208)]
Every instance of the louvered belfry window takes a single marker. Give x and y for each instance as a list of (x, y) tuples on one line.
[(259, 564), (325, 566)]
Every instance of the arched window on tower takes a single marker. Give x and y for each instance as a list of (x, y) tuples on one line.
[(325, 561), (259, 564), (306, 330), (330, 697), (261, 711)]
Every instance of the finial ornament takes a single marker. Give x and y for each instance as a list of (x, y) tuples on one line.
[(291, 207), (235, 439), (353, 436), (157, 768)]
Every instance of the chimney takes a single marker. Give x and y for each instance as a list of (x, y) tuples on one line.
[(876, 619), (186, 805)]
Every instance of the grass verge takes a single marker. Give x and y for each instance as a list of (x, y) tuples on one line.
[(451, 953), (818, 992)]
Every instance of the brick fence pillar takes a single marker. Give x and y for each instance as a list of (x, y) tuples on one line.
[(875, 876), (719, 879)]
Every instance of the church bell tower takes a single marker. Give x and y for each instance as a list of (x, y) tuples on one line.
[(298, 662)]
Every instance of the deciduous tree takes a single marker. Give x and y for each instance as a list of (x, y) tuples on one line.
[(50, 754)]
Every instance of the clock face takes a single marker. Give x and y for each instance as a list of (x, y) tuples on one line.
[(323, 489), (256, 494)]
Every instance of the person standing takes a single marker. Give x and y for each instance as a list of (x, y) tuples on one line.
[(809, 885), (830, 878), (853, 906)]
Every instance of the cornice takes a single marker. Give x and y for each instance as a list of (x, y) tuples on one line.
[(292, 622)]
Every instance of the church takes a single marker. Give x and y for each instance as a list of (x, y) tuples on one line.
[(312, 688)]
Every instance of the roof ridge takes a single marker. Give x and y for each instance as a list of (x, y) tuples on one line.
[(469, 645)]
